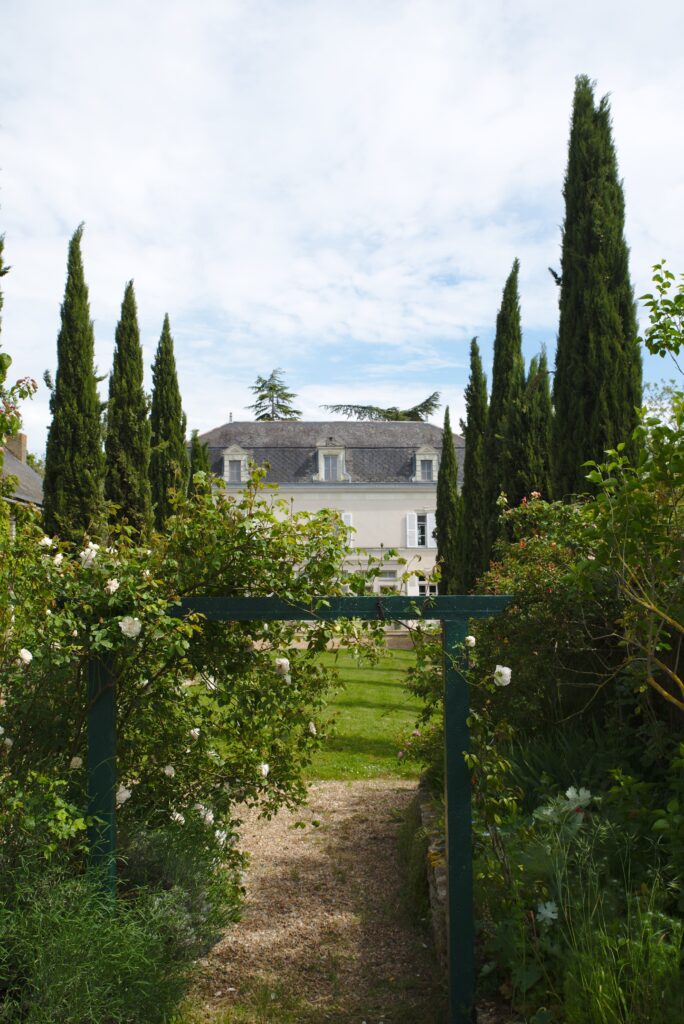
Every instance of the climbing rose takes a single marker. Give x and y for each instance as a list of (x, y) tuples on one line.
[(45, 542), (130, 627), (264, 769), (282, 666), (122, 795), (502, 675), (8, 743), (89, 554), (194, 733), (25, 657), (470, 641), (111, 586), (535, 494), (177, 817), (169, 771), (76, 762), (58, 559), (312, 728)]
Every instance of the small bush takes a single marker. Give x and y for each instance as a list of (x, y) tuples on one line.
[(69, 955)]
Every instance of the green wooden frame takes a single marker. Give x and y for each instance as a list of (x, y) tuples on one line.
[(454, 612)]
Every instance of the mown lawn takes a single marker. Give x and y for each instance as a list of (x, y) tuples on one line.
[(369, 715)]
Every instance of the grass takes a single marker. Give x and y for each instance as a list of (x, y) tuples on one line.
[(371, 712)]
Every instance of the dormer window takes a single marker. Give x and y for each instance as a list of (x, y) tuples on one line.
[(426, 465), (235, 465), (331, 467)]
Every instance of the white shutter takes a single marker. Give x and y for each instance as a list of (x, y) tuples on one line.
[(430, 529), (347, 520), (411, 530)]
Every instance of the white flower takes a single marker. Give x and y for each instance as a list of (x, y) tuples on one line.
[(195, 733), (146, 573), (205, 813), (282, 666), (59, 558), (74, 632), (122, 795), (169, 771), (130, 627), (470, 641), (177, 817), (211, 684), (221, 836), (578, 798), (502, 675), (25, 657), (89, 554), (111, 586), (45, 542), (312, 728), (264, 769), (547, 912), (2, 730), (76, 762), (8, 743)]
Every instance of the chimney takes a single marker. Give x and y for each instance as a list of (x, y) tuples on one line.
[(17, 445)]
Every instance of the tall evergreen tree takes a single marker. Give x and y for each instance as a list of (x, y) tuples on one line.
[(199, 460), (273, 399), (127, 441), (169, 456), (597, 383), (503, 440), (449, 515), (538, 427), (475, 491), (74, 460)]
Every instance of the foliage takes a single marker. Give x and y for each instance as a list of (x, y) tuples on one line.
[(199, 462), (68, 954), (169, 457), (449, 516), (474, 493), (416, 413), (74, 461), (273, 399), (127, 440), (597, 383), (503, 439)]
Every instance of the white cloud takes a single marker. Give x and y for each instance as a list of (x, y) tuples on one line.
[(282, 178)]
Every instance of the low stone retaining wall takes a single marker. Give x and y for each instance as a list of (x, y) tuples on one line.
[(436, 873)]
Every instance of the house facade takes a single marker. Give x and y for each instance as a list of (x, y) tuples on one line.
[(380, 476)]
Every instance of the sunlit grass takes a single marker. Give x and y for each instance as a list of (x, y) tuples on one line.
[(371, 712)]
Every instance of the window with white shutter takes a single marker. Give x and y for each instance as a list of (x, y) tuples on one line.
[(411, 530), (430, 531)]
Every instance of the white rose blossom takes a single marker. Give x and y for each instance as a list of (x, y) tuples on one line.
[(130, 626), (76, 762), (58, 559), (177, 817), (122, 795), (25, 657), (45, 542), (211, 684), (111, 586), (89, 554), (264, 769), (221, 836), (282, 666), (502, 675), (195, 733), (312, 728), (8, 743), (470, 641), (169, 771)]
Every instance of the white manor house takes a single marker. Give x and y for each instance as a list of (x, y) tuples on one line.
[(380, 476)]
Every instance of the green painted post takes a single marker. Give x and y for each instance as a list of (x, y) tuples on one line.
[(459, 844), (102, 769)]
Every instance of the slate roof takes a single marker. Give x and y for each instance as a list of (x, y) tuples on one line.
[(375, 452), (30, 484)]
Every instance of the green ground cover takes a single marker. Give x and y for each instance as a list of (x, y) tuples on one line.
[(370, 713)]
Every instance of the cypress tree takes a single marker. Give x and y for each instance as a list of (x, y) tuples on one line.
[(169, 456), (503, 439), (475, 493), (538, 427), (127, 442), (74, 461), (597, 382), (199, 460), (449, 515)]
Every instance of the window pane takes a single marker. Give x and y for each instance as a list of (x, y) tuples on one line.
[(426, 469), (234, 471), (422, 531), (330, 467)]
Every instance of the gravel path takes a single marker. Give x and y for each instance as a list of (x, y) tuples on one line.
[(324, 937)]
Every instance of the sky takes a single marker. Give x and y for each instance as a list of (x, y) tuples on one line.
[(334, 187)]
